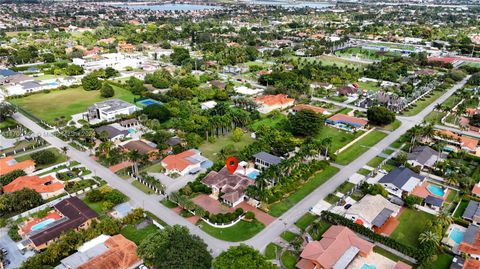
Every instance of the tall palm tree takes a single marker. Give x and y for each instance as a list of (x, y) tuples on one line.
[(134, 157), (429, 237), (444, 218)]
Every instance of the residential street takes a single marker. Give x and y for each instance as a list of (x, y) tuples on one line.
[(271, 232)]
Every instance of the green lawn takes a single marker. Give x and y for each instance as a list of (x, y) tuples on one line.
[(345, 187), (8, 122), (49, 106), (339, 138), (421, 104), (168, 203), (375, 161), (460, 209), (154, 168), (412, 224), (435, 117), (369, 86), (389, 255), (142, 187), (239, 232), (451, 196), (289, 259), (97, 206), (392, 126), (60, 158), (281, 207), (317, 232), (305, 220), (289, 236), (272, 250), (333, 60), (272, 121), (344, 110), (332, 198), (137, 236), (211, 150), (363, 172), (351, 153), (443, 261), (388, 151)]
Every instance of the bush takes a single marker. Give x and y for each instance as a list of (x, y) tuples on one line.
[(44, 157), (379, 115), (249, 215), (13, 233), (9, 177), (94, 196), (106, 91), (227, 217), (115, 197)]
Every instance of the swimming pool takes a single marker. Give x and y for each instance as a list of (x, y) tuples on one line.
[(253, 174), (131, 131), (42, 224), (368, 266), (456, 235), (436, 190), (148, 102)]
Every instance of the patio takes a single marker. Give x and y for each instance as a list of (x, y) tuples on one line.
[(211, 205), (379, 261)]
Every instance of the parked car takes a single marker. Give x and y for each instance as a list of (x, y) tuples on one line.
[(347, 206)]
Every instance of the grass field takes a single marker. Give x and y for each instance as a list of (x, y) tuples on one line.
[(271, 121), (369, 86), (392, 126), (289, 236), (60, 158), (8, 122), (289, 259), (375, 162), (421, 104), (281, 207), (137, 236), (412, 224), (49, 106), (96, 206), (210, 150), (460, 209), (345, 187), (168, 203), (334, 60), (272, 250), (238, 232), (443, 261), (154, 168), (305, 220), (332, 198), (339, 138), (351, 153), (142, 187)]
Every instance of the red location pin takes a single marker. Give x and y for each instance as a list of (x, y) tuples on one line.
[(231, 164)]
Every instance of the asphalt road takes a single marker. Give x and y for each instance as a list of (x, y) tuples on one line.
[(272, 231)]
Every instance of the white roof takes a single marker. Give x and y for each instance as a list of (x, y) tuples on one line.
[(410, 184), (370, 206), (247, 91), (95, 241)]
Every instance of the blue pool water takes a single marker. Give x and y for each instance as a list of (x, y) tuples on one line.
[(368, 266), (131, 131), (434, 189), (456, 235), (42, 224), (53, 84), (148, 102), (253, 175)]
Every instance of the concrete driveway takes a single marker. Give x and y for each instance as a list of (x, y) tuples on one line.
[(14, 255)]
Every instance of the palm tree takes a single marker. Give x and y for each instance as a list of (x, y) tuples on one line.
[(444, 218), (134, 157), (429, 237)]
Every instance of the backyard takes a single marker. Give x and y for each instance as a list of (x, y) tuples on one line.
[(339, 138), (211, 150), (59, 158), (137, 235), (55, 104), (361, 146), (412, 224)]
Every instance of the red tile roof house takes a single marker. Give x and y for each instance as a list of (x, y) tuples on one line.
[(315, 109), (9, 164), (182, 163), (47, 187), (228, 187), (338, 247), (268, 103), (346, 123)]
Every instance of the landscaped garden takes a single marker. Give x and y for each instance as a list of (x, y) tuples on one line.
[(241, 231), (40, 158)]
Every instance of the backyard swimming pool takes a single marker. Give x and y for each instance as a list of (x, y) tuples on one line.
[(456, 235), (368, 266), (42, 224), (253, 174), (131, 131), (436, 190), (148, 102)]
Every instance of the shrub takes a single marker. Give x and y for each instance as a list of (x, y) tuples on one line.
[(249, 215), (44, 157), (13, 233), (9, 177), (106, 91), (94, 196)]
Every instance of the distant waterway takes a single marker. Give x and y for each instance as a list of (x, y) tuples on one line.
[(171, 7), (315, 5)]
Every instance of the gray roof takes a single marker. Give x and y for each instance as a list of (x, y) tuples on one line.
[(470, 234), (471, 210), (173, 141), (112, 105), (435, 201), (112, 131), (422, 154), (79, 258), (27, 85), (382, 217), (457, 263), (399, 176), (268, 158)]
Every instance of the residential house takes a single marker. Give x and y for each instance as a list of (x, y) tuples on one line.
[(142, 147), (457, 142), (338, 247), (208, 105), (401, 180), (47, 186), (264, 160), (470, 245), (461, 263), (476, 189), (104, 251), (433, 202), (472, 212), (347, 90), (113, 133), (268, 103), (110, 110), (423, 156), (346, 123), (189, 161), (228, 187), (74, 215), (9, 164), (372, 211), (129, 123), (315, 109)]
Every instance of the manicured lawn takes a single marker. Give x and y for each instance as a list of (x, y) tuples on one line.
[(389, 255), (396, 144), (363, 171), (451, 196), (388, 167), (48, 106), (137, 236), (211, 150), (154, 168), (60, 158), (289, 236), (345, 187), (460, 209), (168, 203), (412, 224), (443, 261), (339, 138), (238, 232), (388, 151), (435, 117), (97, 206), (332, 198), (317, 232), (9, 122), (279, 208), (142, 187), (271, 121), (305, 220), (333, 60), (421, 104), (375, 162), (392, 126), (351, 153), (272, 250), (369, 86), (289, 259), (344, 110)]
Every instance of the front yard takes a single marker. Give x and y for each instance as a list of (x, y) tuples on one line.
[(59, 158), (241, 231), (339, 138), (412, 224), (354, 151)]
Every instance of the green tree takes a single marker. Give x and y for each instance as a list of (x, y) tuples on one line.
[(44, 157), (90, 82), (6, 111), (107, 91), (237, 134), (305, 122), (73, 70), (379, 115), (157, 111), (242, 257), (180, 56), (174, 247)]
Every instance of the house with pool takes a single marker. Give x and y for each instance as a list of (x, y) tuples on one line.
[(68, 214), (401, 180), (109, 110), (228, 187), (470, 243), (46, 186), (190, 161), (346, 123)]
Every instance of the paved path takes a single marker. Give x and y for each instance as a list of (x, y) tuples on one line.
[(272, 231)]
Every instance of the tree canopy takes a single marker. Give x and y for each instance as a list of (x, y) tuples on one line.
[(242, 257), (379, 115), (305, 122), (90, 82)]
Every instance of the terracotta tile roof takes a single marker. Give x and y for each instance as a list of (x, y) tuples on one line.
[(476, 189), (347, 119), (449, 134), (179, 161), (121, 254), (468, 142), (231, 185), (8, 164), (39, 184), (472, 248), (315, 109), (334, 243), (273, 100), (471, 264), (140, 146), (402, 265)]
